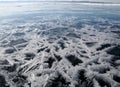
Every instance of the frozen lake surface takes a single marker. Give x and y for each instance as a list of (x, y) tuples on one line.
[(59, 44)]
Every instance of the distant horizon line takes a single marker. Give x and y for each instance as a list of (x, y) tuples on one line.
[(60, 1)]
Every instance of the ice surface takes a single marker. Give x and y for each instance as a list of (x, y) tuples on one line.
[(69, 46)]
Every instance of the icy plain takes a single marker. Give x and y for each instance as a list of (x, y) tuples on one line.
[(59, 44)]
